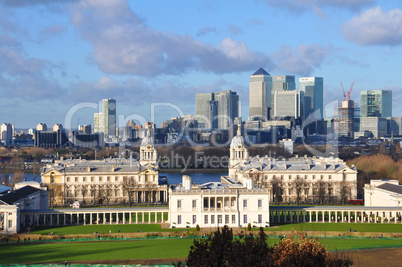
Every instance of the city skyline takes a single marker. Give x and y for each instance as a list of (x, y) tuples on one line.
[(56, 54)]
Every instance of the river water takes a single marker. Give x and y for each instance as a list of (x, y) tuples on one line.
[(173, 178)]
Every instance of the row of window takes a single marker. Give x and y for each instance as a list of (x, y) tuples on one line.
[(220, 219), (109, 179), (194, 203), (282, 177)]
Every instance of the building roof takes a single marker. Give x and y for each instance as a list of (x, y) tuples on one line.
[(18, 194), (261, 71), (294, 164), (98, 166), (391, 187)]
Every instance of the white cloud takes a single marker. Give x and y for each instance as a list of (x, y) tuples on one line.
[(123, 44), (375, 27), (316, 5), (303, 61)]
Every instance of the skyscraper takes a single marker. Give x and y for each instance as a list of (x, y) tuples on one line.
[(204, 109), (287, 104), (105, 121), (260, 94), (280, 84), (7, 131), (216, 110), (313, 93), (376, 103)]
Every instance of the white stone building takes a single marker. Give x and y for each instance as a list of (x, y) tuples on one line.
[(215, 204), (302, 179), (25, 196), (107, 181), (383, 193)]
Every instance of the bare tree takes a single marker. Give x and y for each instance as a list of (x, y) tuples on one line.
[(321, 187), (106, 192), (5, 169), (53, 194), (84, 191), (93, 189), (130, 186), (344, 191), (299, 185), (276, 184)]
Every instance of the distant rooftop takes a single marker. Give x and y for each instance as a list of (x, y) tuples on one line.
[(391, 187), (261, 71), (18, 194)]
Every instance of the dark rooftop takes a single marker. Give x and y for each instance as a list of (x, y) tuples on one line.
[(391, 187), (261, 71), (18, 194)]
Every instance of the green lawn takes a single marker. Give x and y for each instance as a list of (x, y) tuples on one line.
[(160, 248), (90, 229), (340, 227)]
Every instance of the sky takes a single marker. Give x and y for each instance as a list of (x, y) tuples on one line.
[(59, 58)]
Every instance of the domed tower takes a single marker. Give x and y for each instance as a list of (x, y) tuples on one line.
[(238, 152), (148, 153)]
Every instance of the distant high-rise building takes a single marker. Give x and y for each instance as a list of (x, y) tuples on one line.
[(228, 108), (105, 121), (260, 94), (376, 103), (287, 104), (7, 131), (57, 126), (86, 129), (280, 84), (216, 110), (313, 94), (203, 110), (41, 127)]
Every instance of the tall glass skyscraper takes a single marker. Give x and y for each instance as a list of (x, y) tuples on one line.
[(313, 94), (260, 94), (281, 83), (105, 121), (216, 110), (376, 103)]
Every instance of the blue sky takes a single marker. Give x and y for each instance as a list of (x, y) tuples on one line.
[(154, 56)]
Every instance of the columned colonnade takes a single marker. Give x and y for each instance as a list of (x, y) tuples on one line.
[(334, 214), (62, 217)]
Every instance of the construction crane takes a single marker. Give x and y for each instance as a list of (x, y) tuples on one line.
[(349, 92)]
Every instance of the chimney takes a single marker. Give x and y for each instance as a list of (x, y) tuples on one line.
[(113, 168), (89, 168)]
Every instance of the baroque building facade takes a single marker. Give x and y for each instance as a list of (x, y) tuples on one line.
[(107, 181), (297, 179)]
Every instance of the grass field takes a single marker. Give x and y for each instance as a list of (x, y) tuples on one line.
[(340, 227), (90, 229), (132, 228), (144, 249)]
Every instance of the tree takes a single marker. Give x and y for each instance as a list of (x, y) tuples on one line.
[(276, 185), (344, 191), (299, 185), (130, 186), (222, 249), (106, 192), (93, 189), (301, 251), (84, 191), (321, 187)]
